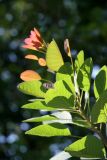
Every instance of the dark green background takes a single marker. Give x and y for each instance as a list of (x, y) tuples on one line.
[(84, 22)]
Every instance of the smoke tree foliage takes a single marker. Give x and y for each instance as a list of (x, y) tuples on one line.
[(66, 97)]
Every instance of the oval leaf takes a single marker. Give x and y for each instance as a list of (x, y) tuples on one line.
[(42, 62), (31, 56), (30, 75), (53, 57), (33, 88)]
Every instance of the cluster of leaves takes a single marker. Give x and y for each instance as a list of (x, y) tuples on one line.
[(68, 102)]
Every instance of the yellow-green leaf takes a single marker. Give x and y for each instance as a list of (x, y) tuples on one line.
[(54, 58)]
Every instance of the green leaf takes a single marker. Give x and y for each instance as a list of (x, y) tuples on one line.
[(60, 89), (60, 96), (42, 118), (38, 105), (80, 60), (50, 130), (62, 102), (88, 147), (53, 57), (84, 75), (66, 73), (99, 110), (81, 123), (65, 70), (100, 83), (33, 88)]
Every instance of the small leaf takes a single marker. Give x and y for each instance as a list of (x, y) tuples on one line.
[(53, 57), (50, 130), (99, 110), (42, 118), (79, 61), (67, 48), (33, 88), (100, 83), (31, 56), (84, 75), (30, 75), (88, 147), (42, 62)]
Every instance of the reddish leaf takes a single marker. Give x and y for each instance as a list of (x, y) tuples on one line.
[(31, 56), (30, 75), (42, 62)]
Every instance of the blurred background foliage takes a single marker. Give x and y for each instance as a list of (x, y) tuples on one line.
[(84, 22)]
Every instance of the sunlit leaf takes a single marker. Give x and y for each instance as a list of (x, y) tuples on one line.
[(42, 62), (80, 60), (31, 56), (30, 75), (33, 88), (60, 96), (46, 130), (40, 105), (42, 118), (53, 57), (88, 147)]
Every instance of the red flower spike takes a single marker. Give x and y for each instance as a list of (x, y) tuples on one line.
[(35, 41)]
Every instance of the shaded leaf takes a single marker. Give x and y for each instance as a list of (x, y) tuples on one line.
[(81, 123), (50, 130), (100, 83), (62, 102), (53, 57), (99, 110), (66, 73), (84, 75), (88, 147)]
